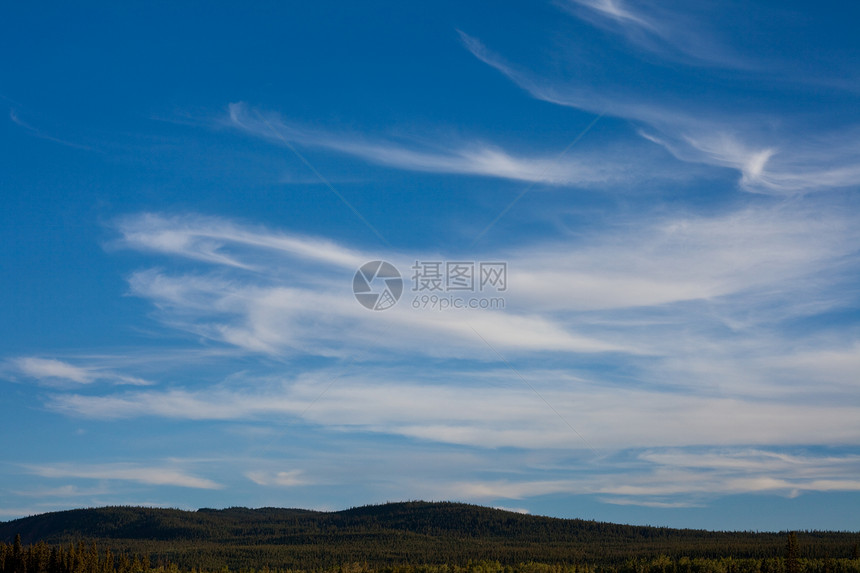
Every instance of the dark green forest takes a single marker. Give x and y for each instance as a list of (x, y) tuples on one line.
[(411, 537)]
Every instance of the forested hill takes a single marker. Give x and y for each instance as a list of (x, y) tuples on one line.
[(411, 532)]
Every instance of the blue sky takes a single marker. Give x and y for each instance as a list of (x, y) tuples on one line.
[(189, 190)]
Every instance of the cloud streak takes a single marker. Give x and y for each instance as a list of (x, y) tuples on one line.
[(647, 482), (784, 154), (508, 416), (159, 475), (289, 478), (50, 370), (470, 158), (36, 132), (663, 30)]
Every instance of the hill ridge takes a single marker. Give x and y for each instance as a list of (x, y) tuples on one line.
[(390, 533)]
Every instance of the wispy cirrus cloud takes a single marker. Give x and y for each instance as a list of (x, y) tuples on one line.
[(679, 299), (731, 35), (150, 475), (15, 116), (300, 302), (626, 477), (510, 415), (453, 156), (701, 473), (647, 482), (676, 32), (786, 151), (222, 242), (289, 478), (665, 478), (65, 491), (51, 370), (650, 503), (261, 311)]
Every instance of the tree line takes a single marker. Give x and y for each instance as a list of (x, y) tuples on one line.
[(87, 557), (74, 558)]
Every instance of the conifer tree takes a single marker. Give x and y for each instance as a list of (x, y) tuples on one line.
[(792, 552)]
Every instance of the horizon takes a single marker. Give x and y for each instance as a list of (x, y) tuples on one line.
[(576, 258)]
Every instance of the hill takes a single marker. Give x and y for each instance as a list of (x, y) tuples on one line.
[(395, 533)]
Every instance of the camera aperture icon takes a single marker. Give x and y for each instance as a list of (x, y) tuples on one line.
[(377, 285)]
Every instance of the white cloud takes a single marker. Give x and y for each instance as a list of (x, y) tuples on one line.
[(678, 35), (303, 303), (704, 473), (648, 503), (581, 168), (289, 478), (689, 302), (163, 475), (652, 479), (220, 241), (678, 302), (509, 414), (48, 368), (776, 154), (616, 10), (53, 371), (686, 258), (508, 489), (63, 491)]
